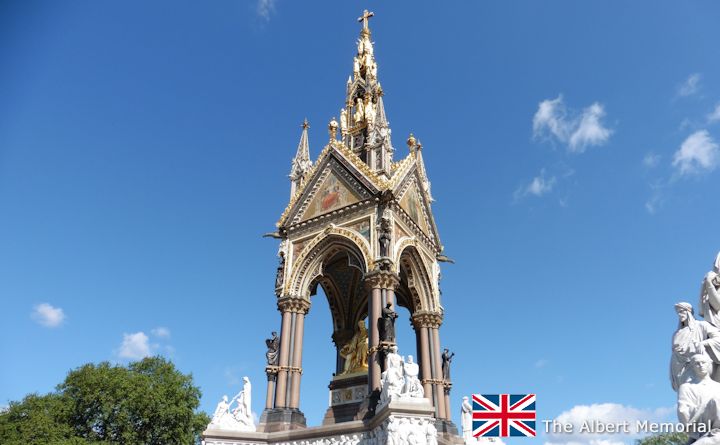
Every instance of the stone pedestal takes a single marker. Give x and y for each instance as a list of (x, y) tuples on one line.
[(347, 394), (282, 419)]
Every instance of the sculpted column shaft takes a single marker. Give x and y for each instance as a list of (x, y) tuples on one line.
[(437, 367), (270, 391), (425, 360), (374, 310), (285, 334), (297, 360), (448, 411)]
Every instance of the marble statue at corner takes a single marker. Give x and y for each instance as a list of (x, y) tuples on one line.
[(400, 379), (273, 344), (699, 403), (691, 337), (709, 307), (466, 420), (413, 387), (239, 418)]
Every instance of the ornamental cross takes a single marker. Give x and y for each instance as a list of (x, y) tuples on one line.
[(364, 18)]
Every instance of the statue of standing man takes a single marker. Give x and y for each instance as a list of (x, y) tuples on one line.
[(446, 359), (387, 324), (273, 345)]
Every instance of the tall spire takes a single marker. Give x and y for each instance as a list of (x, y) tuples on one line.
[(301, 162), (363, 123)]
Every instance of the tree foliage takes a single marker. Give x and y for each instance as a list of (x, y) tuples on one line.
[(149, 402), (665, 439)]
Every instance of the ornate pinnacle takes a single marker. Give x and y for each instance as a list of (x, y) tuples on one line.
[(332, 129), (411, 141), (305, 124)]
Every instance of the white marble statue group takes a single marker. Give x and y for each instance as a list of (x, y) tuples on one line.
[(695, 363), (400, 378), (238, 418)]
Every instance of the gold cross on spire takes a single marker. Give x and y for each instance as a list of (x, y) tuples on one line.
[(364, 18)]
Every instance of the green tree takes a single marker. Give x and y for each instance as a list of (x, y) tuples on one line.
[(146, 403), (665, 439)]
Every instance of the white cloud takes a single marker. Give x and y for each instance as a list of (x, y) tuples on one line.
[(48, 315), (161, 332), (135, 346), (577, 130), (715, 115), (541, 363), (651, 160), (590, 131), (690, 86), (265, 8), (699, 152), (539, 186), (604, 413)]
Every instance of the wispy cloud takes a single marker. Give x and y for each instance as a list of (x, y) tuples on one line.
[(161, 332), (698, 153), (539, 186), (604, 413), (265, 8), (651, 160), (135, 346), (541, 363), (690, 86), (47, 315), (714, 116), (576, 130)]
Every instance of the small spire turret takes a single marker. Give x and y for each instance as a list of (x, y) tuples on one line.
[(365, 129), (301, 163)]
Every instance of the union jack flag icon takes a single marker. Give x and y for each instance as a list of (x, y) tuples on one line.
[(503, 415)]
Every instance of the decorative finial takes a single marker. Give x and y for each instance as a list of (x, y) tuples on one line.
[(332, 129), (411, 141), (305, 124), (364, 19)]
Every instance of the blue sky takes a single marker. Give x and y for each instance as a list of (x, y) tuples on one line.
[(572, 148)]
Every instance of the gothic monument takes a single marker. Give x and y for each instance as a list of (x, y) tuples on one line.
[(359, 224)]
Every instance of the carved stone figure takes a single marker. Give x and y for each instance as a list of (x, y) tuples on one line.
[(273, 345), (691, 337), (709, 307), (343, 120), (430, 434), (392, 380), (413, 387), (279, 275), (369, 110), (359, 110), (699, 403), (446, 359), (385, 236), (355, 351), (386, 324), (466, 420), (240, 419), (356, 66)]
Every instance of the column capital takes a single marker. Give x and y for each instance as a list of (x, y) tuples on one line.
[(381, 279), (292, 303), (427, 319)]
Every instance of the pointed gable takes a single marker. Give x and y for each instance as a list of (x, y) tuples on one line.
[(411, 203), (332, 194), (334, 183)]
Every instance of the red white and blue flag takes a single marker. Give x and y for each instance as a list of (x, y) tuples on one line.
[(503, 415)]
